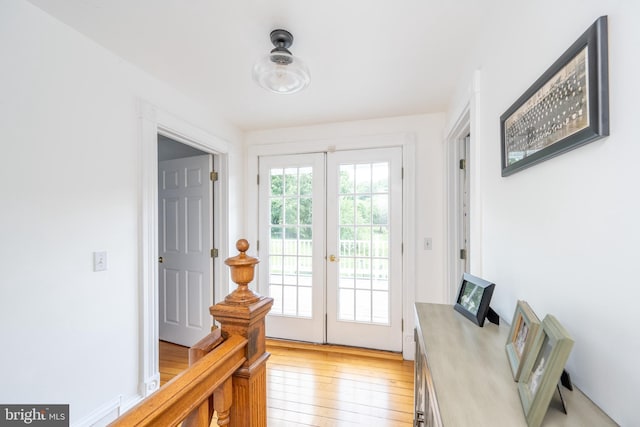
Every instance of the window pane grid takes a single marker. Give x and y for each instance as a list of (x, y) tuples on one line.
[(290, 241), (363, 204)]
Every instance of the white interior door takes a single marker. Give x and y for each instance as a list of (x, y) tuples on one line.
[(364, 247), (291, 199), (184, 248)]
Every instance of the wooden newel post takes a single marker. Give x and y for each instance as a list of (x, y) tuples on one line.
[(242, 313)]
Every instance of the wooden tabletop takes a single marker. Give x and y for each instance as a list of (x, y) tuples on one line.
[(472, 378)]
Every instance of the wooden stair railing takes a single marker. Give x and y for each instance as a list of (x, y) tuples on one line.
[(186, 392), (204, 414), (227, 371)]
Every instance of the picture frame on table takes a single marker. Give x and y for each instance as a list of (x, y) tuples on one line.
[(568, 106), (524, 328), (474, 296), (543, 368)]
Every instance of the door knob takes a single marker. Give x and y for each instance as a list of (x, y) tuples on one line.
[(333, 258), (160, 259)]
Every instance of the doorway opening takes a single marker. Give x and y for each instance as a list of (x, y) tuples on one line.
[(186, 273), (154, 122), (459, 167)]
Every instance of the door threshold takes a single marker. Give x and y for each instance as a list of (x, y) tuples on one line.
[(332, 348)]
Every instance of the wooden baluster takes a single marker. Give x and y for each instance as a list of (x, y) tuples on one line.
[(242, 313), (222, 400), (203, 415)]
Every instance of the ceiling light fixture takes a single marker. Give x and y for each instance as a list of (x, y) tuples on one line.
[(280, 71)]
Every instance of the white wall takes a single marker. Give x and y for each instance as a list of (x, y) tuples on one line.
[(428, 199), (69, 179), (564, 234)]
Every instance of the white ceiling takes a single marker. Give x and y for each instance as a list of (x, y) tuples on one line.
[(368, 58)]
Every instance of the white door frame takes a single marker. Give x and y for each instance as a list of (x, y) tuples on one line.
[(464, 123), (454, 207), (154, 121), (404, 140)]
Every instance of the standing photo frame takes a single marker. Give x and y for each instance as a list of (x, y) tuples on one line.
[(568, 106), (473, 298), (543, 368), (524, 328)]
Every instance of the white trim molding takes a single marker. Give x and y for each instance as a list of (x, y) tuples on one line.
[(464, 123), (410, 244), (154, 121), (453, 152), (109, 411)]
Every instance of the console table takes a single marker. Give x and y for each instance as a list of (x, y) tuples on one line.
[(463, 377)]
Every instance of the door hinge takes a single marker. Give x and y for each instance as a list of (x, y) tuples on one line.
[(463, 164), (402, 327), (402, 173), (257, 245), (213, 176), (214, 253), (402, 248), (258, 179), (463, 254)]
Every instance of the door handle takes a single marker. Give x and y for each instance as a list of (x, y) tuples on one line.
[(333, 258), (160, 259)]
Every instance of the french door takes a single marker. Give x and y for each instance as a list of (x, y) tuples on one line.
[(291, 249), (364, 247), (331, 247)]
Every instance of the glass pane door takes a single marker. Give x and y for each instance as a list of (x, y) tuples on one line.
[(333, 251), (364, 238), (363, 246), (290, 240), (291, 219)]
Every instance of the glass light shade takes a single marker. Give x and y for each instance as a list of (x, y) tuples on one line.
[(281, 72)]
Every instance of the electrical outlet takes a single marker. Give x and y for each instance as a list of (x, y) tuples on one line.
[(99, 261)]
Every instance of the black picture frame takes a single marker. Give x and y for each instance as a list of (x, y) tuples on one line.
[(567, 107), (474, 296)]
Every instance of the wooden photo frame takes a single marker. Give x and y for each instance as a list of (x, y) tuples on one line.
[(543, 368), (568, 106), (473, 298), (524, 328)]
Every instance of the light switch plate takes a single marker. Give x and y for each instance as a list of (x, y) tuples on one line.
[(99, 261)]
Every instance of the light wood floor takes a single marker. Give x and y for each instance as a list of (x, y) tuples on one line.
[(310, 385)]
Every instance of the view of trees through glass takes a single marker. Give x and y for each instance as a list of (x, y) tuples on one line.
[(363, 253), (290, 243), (363, 203)]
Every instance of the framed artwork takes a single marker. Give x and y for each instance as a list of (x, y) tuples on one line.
[(473, 298), (542, 369), (520, 339), (568, 106)]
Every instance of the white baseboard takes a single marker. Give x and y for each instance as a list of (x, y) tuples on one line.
[(108, 412), (409, 348)]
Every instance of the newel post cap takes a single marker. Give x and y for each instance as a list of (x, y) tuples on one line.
[(242, 268)]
